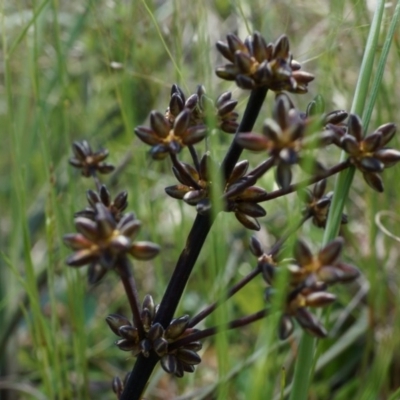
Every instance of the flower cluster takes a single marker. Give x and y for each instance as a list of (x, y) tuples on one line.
[(283, 137), (165, 139), (255, 63), (101, 242), (175, 361), (309, 278), (184, 122), (88, 161), (223, 110), (317, 204), (368, 154), (116, 207), (239, 196), (105, 237)]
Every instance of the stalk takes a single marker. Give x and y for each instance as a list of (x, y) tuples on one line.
[(305, 359), (144, 366)]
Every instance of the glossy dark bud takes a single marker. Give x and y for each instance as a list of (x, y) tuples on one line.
[(115, 321), (331, 252), (255, 247), (159, 124), (188, 356), (117, 386), (177, 327), (169, 363), (302, 253), (285, 328)]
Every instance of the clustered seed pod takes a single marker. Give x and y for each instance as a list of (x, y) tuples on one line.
[(194, 184), (267, 263), (283, 137), (116, 206), (201, 107), (195, 103), (89, 161), (309, 278), (242, 198), (368, 154), (184, 122), (101, 242), (175, 361), (226, 114), (255, 63), (166, 140), (317, 204), (106, 235), (239, 196)]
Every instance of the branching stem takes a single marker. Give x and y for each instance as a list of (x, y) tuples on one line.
[(144, 366), (124, 270), (307, 182), (248, 278), (234, 289), (237, 323)]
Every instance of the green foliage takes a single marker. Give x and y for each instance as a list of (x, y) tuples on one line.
[(93, 70)]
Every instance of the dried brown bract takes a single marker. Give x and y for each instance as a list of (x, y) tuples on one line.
[(255, 63), (88, 161), (368, 154)]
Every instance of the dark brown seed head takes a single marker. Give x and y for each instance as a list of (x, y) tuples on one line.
[(168, 137), (103, 242), (254, 63), (367, 153), (282, 137), (116, 206), (89, 162), (317, 204)]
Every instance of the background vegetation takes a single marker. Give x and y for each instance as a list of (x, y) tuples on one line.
[(93, 70)]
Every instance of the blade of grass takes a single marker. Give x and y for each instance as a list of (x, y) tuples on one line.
[(157, 27), (376, 84), (23, 33)]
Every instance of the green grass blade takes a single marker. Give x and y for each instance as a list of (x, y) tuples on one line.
[(381, 67), (23, 33), (304, 363)]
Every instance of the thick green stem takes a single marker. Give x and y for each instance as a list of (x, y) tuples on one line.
[(305, 359)]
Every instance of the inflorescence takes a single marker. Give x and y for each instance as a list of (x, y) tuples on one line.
[(289, 140)]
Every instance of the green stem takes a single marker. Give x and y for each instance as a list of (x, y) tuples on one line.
[(305, 359)]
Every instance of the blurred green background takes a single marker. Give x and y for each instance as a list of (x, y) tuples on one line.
[(94, 70)]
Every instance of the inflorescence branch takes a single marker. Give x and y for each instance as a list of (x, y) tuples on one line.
[(105, 233)]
